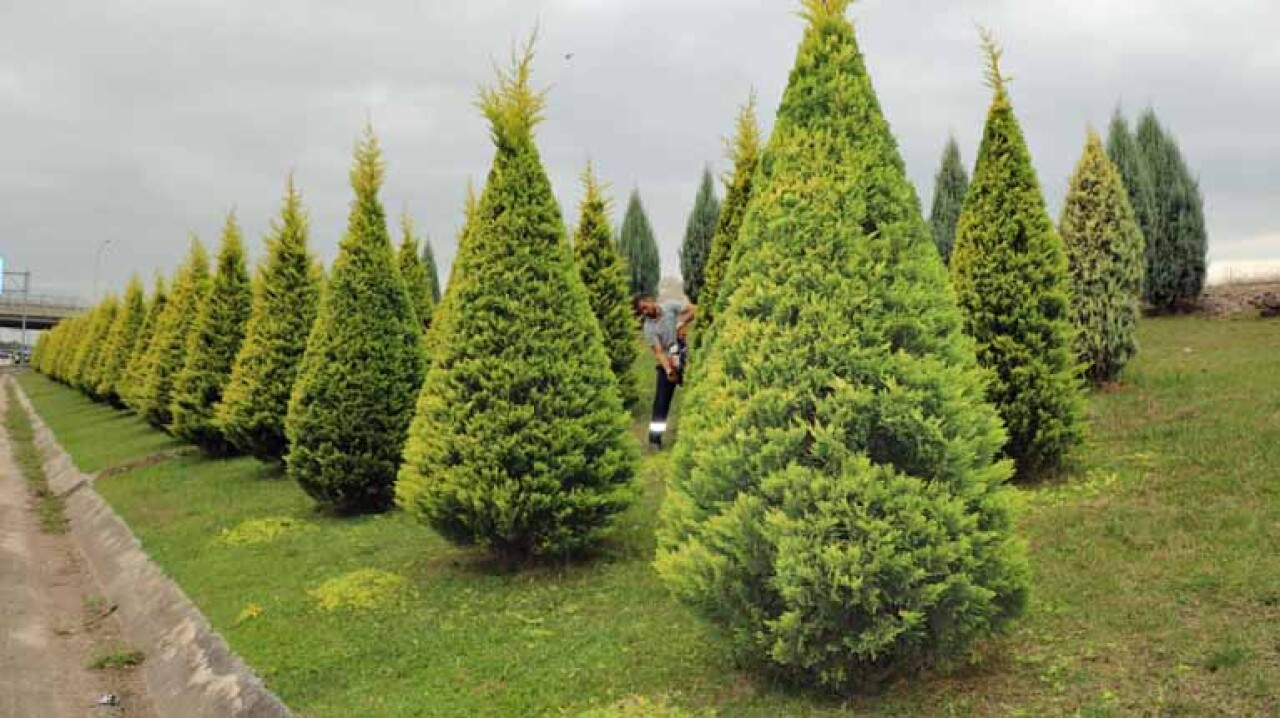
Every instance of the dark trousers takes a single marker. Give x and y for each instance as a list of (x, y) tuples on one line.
[(662, 396)]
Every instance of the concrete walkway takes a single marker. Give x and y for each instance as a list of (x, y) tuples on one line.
[(52, 621)]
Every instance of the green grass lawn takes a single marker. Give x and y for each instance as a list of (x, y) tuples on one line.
[(1157, 576), (97, 436)]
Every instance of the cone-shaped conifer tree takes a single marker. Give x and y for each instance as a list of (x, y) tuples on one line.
[(949, 188), (1122, 148), (166, 355), (698, 235), (363, 365), (744, 150), (414, 272), (121, 340), (286, 295), (639, 249), (1177, 243), (1009, 269), (605, 277), (433, 272), (212, 347), (836, 499), (87, 368), (519, 443), (1104, 249), (133, 377), (73, 332)]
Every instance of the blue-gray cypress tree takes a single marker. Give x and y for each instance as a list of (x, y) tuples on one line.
[(698, 235), (949, 188), (639, 249)]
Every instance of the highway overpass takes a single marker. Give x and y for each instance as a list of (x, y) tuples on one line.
[(38, 311)]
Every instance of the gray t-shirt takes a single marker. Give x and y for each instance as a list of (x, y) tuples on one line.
[(663, 330)]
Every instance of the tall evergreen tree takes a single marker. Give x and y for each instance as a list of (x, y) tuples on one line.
[(212, 346), (73, 335), (744, 151), (415, 275), (286, 294), (166, 355), (519, 442), (604, 275), (949, 188), (433, 272), (698, 234), (133, 378), (1123, 150), (1177, 243), (836, 500), (1104, 250), (121, 340), (353, 400), (639, 249), (88, 361), (1009, 269)]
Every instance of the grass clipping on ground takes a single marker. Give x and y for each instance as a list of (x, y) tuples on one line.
[(260, 531), (365, 589)]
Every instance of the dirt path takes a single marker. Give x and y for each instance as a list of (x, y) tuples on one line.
[(52, 622)]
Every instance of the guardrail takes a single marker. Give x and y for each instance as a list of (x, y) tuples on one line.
[(47, 302)]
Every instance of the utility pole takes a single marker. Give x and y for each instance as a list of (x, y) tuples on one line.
[(26, 303)]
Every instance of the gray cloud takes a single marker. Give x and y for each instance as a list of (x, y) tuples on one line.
[(142, 121)]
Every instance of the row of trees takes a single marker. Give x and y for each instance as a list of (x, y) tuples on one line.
[(495, 414), (1163, 194), (838, 496)]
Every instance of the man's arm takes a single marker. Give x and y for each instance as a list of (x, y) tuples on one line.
[(686, 318)]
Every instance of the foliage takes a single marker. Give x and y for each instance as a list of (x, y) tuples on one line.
[(949, 188), (744, 151), (698, 234), (639, 249), (87, 365), (836, 502), (166, 354), (286, 293), (414, 271), (1177, 241), (120, 342), (135, 369), (1009, 270), (519, 439), (1123, 150), (603, 274), (212, 346), (1104, 251), (363, 364), (433, 272)]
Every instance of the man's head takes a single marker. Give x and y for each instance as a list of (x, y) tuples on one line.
[(644, 305)]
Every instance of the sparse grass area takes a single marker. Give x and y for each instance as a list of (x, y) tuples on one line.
[(1157, 577), (117, 659), (25, 454)]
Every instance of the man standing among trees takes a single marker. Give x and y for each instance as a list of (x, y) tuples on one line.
[(666, 327)]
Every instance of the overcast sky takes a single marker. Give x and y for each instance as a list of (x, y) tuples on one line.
[(143, 121)]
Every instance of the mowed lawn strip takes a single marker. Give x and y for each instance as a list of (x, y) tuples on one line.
[(97, 436), (1157, 567)]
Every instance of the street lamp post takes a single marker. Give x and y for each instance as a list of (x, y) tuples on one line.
[(97, 266)]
